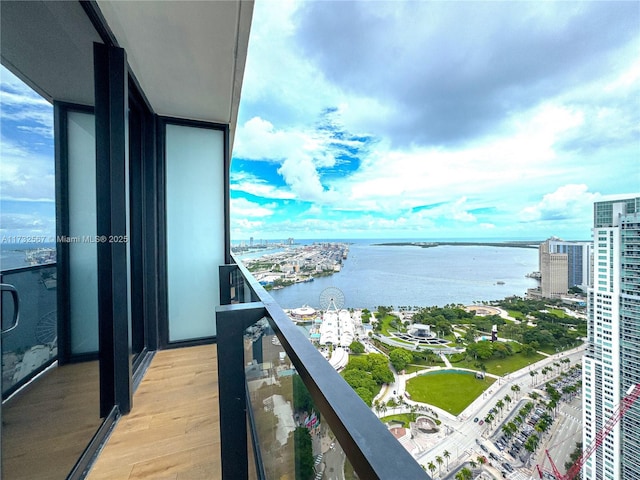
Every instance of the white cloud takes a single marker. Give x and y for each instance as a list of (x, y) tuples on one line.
[(31, 223), (249, 183), (300, 154), (241, 207), (24, 175), (567, 202), (21, 104)]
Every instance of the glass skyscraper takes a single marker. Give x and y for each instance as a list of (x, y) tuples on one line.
[(612, 361)]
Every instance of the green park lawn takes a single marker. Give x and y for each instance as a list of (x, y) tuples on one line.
[(558, 313), (500, 366), (385, 324), (399, 340), (403, 418), (515, 314), (452, 392)]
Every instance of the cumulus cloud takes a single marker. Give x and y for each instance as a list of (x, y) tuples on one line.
[(24, 175), (23, 106), (300, 152), (251, 184), (241, 207), (301, 175), (566, 203), (451, 71), (34, 222)]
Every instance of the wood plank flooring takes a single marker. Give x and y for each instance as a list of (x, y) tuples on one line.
[(47, 425), (173, 430)]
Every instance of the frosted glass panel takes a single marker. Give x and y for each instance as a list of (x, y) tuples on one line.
[(83, 256), (195, 229)]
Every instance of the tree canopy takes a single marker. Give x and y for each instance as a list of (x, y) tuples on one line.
[(400, 358), (367, 373)]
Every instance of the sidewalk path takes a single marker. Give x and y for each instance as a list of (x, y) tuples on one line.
[(445, 360)]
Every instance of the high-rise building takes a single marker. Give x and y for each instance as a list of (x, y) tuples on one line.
[(554, 272), (612, 361), (578, 260)]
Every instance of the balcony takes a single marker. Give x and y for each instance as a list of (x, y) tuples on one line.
[(283, 408), (248, 417)]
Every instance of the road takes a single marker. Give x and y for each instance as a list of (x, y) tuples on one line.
[(566, 431), (458, 434), (334, 463)]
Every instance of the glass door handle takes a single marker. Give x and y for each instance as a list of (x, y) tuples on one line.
[(10, 289)]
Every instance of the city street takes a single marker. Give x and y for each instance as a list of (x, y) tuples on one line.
[(566, 431)]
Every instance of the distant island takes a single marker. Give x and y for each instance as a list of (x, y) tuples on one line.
[(516, 244)]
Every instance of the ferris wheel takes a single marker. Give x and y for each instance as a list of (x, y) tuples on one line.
[(331, 298), (47, 328)]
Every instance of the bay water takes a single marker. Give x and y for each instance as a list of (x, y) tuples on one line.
[(376, 275)]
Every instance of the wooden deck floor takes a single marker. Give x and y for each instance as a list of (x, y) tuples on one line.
[(173, 430), (47, 425)]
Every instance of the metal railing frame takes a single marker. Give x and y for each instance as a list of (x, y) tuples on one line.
[(368, 445)]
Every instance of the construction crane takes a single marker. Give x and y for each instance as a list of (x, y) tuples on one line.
[(631, 396)]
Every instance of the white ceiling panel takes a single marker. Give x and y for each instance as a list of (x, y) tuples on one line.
[(188, 56)]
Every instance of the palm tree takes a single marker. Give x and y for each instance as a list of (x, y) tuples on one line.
[(446, 455), (532, 373), (532, 443), (489, 419), (431, 467), (481, 459), (515, 389), (464, 474), (507, 399), (500, 406), (439, 461), (472, 464)]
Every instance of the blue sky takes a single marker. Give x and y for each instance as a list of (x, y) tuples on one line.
[(422, 120), (27, 168), (435, 119)]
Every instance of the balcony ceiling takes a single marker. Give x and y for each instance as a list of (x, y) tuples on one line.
[(49, 45), (188, 56)]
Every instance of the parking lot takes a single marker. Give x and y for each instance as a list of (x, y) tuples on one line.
[(531, 426)]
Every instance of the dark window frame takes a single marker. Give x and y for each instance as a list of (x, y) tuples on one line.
[(60, 115)]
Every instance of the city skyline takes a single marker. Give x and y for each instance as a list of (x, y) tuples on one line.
[(391, 120)]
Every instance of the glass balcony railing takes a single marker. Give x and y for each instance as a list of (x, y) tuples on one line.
[(284, 411), (33, 344)]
